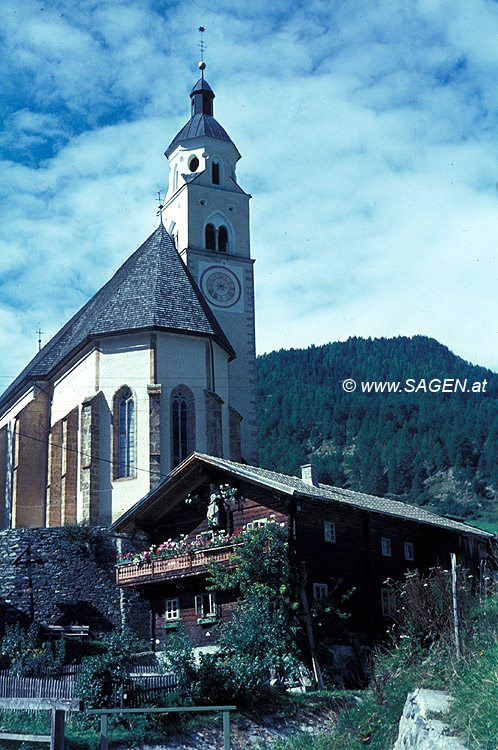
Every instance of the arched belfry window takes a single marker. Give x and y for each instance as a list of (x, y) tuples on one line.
[(124, 433), (222, 239), (210, 237), (182, 408), (217, 235)]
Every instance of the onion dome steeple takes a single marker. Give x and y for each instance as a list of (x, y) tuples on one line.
[(202, 122)]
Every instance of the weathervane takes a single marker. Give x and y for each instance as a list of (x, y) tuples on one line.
[(202, 47), (160, 206)]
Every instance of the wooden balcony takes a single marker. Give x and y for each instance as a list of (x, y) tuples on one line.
[(170, 568)]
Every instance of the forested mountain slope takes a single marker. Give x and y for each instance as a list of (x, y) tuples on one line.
[(419, 444)]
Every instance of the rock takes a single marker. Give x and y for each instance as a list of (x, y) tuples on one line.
[(418, 731)]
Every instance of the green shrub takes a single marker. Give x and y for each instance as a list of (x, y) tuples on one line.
[(89, 541), (103, 681), (29, 655), (259, 644)]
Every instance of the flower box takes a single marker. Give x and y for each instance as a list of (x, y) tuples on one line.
[(208, 620)]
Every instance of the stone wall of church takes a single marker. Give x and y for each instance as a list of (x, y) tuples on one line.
[(64, 576)]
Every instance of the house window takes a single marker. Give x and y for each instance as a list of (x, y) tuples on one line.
[(182, 424), (385, 546), (193, 164), (172, 610), (124, 433), (320, 590), (388, 601), (215, 173), (205, 605), (256, 524), (329, 531), (409, 551)]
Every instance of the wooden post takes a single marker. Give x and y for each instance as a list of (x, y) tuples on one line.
[(104, 735), (314, 659), (456, 619), (226, 730), (57, 730)]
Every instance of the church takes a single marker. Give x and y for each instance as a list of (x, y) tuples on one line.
[(158, 364)]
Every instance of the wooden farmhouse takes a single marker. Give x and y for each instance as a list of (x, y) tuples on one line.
[(343, 540)]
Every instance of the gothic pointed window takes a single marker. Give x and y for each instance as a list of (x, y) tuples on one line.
[(210, 237), (124, 434), (222, 239), (182, 424)]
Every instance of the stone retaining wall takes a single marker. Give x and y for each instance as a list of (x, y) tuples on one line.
[(63, 576)]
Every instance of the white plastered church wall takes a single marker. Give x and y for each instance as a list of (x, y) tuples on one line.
[(181, 360), (124, 361)]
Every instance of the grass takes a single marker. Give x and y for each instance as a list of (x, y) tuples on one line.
[(491, 526), (472, 682)]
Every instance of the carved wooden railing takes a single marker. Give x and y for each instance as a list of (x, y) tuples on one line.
[(175, 566)]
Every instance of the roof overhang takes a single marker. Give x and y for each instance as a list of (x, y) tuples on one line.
[(197, 469)]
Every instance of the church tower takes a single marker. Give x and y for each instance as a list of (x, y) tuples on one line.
[(207, 214)]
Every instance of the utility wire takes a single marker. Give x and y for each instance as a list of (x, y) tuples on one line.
[(80, 453)]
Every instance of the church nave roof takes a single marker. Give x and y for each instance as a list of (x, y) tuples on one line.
[(152, 290)]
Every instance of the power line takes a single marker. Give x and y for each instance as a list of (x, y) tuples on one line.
[(81, 453)]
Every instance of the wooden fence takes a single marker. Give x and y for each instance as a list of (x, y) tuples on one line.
[(145, 687), (57, 708)]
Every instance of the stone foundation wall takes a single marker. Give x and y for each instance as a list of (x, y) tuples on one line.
[(64, 576)]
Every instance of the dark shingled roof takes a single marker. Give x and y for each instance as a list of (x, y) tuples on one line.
[(294, 486), (199, 125), (153, 289)]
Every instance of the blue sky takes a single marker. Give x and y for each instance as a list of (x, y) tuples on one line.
[(369, 137)]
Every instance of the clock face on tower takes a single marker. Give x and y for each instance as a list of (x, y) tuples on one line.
[(220, 286)]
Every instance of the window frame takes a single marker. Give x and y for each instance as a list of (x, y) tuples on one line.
[(409, 551), (385, 546), (320, 591), (172, 613), (182, 424), (258, 523), (200, 607), (329, 535), (124, 434), (387, 601)]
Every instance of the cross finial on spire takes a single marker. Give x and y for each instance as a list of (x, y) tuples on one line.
[(160, 207), (39, 332), (202, 47)]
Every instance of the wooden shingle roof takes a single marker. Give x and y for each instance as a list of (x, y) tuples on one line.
[(152, 290), (291, 486)]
